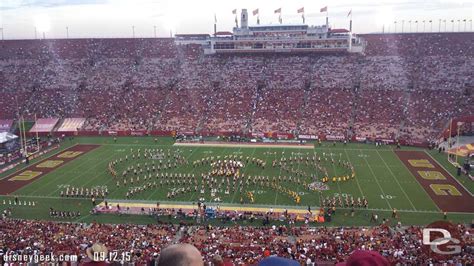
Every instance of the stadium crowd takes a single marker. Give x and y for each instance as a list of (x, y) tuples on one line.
[(404, 85), (234, 245)]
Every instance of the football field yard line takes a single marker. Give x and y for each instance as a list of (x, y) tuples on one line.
[(71, 180), (54, 172), (421, 187), (189, 156), (194, 169), (356, 178), (442, 167), (335, 173), (394, 177), (110, 179), (238, 187), (376, 180), (55, 178), (276, 193)]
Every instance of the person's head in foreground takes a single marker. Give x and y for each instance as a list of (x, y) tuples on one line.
[(365, 258), (180, 255)]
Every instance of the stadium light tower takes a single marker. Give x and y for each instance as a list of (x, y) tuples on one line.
[(133, 31), (439, 26), (403, 24), (2, 33), (424, 24), (459, 25), (67, 32), (395, 26)]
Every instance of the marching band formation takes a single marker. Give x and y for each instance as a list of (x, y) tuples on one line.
[(224, 175)]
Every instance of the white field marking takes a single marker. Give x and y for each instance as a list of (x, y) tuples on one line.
[(422, 188), (276, 193), (259, 205), (394, 177), (153, 193), (376, 180), (233, 196), (40, 160), (193, 151), (356, 178), (85, 172), (56, 170), (335, 174), (450, 174), (236, 145), (237, 190)]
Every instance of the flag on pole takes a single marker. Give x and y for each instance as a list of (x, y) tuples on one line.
[(350, 13), (324, 9), (234, 11), (278, 10), (301, 10), (255, 12), (215, 18)]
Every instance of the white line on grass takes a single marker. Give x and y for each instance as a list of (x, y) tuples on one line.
[(422, 188), (394, 177), (56, 171), (449, 174), (61, 149), (276, 193), (356, 178), (335, 173), (224, 204), (238, 187), (71, 180), (376, 180)]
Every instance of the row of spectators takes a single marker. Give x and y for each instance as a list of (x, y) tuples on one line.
[(234, 245), (396, 89)]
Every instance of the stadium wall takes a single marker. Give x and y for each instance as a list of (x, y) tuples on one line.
[(271, 135)]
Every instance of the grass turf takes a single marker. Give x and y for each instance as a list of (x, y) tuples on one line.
[(381, 178)]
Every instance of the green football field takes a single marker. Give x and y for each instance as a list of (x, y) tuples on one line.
[(380, 177)]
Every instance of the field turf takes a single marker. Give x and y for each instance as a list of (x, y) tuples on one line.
[(381, 177)]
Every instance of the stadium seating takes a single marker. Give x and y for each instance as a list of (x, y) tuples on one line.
[(235, 244), (403, 86)]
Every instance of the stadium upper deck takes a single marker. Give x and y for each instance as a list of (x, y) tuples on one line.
[(405, 85)]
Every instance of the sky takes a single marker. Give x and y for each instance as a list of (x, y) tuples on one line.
[(28, 19)]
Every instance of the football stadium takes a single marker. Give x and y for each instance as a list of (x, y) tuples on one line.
[(259, 144)]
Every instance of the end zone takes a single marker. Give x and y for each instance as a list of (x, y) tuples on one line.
[(442, 188), (35, 171)]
